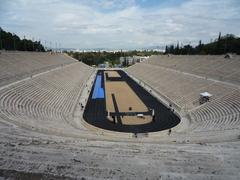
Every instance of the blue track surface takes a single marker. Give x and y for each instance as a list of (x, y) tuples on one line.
[(98, 91)]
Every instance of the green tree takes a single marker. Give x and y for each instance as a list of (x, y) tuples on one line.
[(9, 41)]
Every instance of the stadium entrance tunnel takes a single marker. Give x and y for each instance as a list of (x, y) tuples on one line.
[(117, 103)]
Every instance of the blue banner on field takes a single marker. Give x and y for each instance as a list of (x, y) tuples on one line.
[(98, 91)]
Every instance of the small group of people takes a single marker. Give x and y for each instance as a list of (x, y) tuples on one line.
[(82, 106), (153, 115), (114, 119), (170, 107)]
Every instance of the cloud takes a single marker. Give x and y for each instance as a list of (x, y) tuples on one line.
[(120, 23)]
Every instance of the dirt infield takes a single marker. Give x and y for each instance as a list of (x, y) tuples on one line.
[(125, 101), (114, 74), (120, 93)]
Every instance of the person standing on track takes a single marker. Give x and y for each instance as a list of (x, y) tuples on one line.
[(153, 115)]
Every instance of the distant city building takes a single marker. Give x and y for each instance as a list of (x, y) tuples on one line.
[(129, 60), (121, 60), (101, 65), (140, 58), (132, 60), (106, 64), (117, 65)]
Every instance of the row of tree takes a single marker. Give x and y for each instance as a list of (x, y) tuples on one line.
[(95, 58), (9, 41), (222, 45)]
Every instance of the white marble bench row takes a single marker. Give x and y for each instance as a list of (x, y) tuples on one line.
[(18, 65), (47, 100)]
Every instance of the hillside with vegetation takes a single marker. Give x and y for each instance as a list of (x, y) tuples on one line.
[(222, 45), (10, 41), (95, 58)]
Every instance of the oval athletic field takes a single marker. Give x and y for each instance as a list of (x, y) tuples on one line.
[(118, 103)]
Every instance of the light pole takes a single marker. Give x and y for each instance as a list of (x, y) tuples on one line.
[(33, 43), (14, 43), (45, 44), (39, 45), (24, 43), (60, 47), (0, 38)]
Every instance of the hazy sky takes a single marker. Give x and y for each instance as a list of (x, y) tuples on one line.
[(120, 24)]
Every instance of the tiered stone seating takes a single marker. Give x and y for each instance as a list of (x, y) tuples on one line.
[(18, 65), (182, 78), (233, 78), (45, 104), (183, 89), (27, 155), (26, 152), (46, 101), (215, 67), (223, 113)]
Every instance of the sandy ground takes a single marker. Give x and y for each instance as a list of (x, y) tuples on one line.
[(113, 74), (125, 98)]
